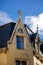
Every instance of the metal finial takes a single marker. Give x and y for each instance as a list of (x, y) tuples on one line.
[(37, 28), (19, 12)]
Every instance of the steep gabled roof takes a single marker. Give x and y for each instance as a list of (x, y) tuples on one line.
[(6, 32), (29, 28)]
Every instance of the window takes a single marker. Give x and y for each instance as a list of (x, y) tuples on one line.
[(20, 30), (23, 62), (20, 62), (20, 42), (17, 62)]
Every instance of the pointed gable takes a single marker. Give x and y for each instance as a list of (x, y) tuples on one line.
[(7, 31), (19, 26)]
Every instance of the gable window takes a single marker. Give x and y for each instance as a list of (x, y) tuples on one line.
[(20, 42), (17, 62), (23, 62)]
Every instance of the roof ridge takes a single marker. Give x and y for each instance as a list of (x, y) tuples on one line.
[(29, 28)]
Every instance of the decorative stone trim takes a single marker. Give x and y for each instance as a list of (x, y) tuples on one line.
[(3, 50), (39, 57), (21, 59)]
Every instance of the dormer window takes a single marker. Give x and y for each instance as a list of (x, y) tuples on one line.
[(20, 42)]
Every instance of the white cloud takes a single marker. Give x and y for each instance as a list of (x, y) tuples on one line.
[(33, 21), (4, 18)]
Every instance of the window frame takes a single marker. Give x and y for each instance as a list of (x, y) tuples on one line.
[(17, 62), (16, 42), (20, 62)]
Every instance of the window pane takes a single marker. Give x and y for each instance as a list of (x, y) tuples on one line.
[(23, 62), (20, 42), (17, 62)]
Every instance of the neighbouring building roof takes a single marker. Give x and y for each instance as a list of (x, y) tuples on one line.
[(41, 48), (32, 36)]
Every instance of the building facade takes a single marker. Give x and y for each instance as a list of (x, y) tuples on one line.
[(15, 48), (19, 45)]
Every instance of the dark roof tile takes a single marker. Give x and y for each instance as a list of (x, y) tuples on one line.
[(5, 33)]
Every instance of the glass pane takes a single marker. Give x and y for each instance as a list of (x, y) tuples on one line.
[(23, 62), (17, 62), (20, 42)]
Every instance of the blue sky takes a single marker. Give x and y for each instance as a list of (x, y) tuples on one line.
[(32, 11), (28, 7)]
